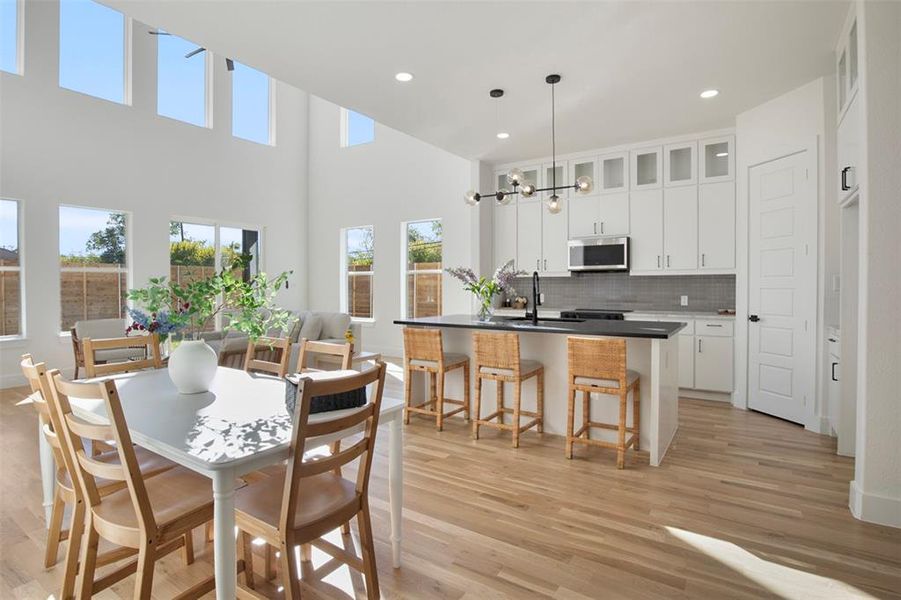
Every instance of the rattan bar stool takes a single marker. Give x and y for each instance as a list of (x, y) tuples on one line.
[(497, 359), (598, 366), (424, 352)]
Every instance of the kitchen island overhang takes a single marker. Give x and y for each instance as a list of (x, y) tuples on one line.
[(651, 350)]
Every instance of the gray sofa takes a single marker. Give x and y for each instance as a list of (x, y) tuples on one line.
[(312, 325)]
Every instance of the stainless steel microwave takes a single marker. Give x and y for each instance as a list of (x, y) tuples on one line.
[(599, 254)]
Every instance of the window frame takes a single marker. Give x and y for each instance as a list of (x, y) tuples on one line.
[(20, 42), (127, 58), (208, 66), (345, 274), (129, 253), (344, 122), (20, 269), (270, 107), (405, 271)]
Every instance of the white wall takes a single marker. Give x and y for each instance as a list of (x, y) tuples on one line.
[(394, 179), (875, 493), (59, 146), (783, 126)]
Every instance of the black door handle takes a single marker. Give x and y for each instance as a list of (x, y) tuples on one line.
[(845, 186), (835, 364), (753, 318)]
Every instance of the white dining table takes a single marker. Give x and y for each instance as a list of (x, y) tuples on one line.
[(239, 426)]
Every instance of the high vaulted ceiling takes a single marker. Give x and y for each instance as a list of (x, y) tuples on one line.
[(631, 70)]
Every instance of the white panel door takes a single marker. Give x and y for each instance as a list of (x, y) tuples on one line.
[(680, 228), (528, 235), (504, 234), (583, 216), (781, 287), (554, 238), (716, 225), (613, 214), (646, 225)]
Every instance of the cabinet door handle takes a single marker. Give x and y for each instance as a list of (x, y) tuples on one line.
[(658, 261), (667, 261), (595, 227), (702, 259), (845, 186), (545, 264), (712, 325), (602, 228), (538, 264), (835, 364), (699, 345)]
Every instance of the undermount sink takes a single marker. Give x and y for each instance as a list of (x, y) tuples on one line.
[(549, 319)]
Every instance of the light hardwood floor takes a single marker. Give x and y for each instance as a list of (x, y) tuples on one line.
[(745, 506)]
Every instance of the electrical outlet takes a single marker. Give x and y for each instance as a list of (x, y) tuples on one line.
[(541, 297), (684, 301)]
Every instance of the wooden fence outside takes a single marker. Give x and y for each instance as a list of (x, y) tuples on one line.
[(424, 291)]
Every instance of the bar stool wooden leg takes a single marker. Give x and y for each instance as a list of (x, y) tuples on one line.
[(408, 394), (517, 402), (433, 395), (636, 413), (621, 431), (466, 416), (439, 398), (500, 402), (540, 403), (570, 419), (586, 413), (478, 408)]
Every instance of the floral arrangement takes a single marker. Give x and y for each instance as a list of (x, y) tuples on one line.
[(486, 289), (169, 307)]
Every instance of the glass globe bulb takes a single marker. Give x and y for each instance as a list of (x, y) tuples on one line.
[(553, 204), (506, 199), (527, 189), (584, 184), (515, 176), (471, 197)]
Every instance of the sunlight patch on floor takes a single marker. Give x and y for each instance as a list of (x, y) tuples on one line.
[(783, 581)]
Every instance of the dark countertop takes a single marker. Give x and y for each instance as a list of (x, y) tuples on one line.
[(626, 329)]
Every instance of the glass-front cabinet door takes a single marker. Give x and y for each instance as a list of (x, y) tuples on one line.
[(585, 167), (646, 168), (717, 159), (548, 178), (680, 164), (614, 172)]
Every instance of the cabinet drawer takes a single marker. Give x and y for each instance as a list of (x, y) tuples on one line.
[(718, 327), (689, 325)]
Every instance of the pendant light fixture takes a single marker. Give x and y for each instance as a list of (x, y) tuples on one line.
[(516, 178)]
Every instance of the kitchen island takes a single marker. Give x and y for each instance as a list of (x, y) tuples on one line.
[(651, 350)]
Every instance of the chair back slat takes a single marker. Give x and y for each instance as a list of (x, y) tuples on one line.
[(311, 348), (280, 346), (423, 344), (361, 451), (36, 373), (496, 350), (149, 343), (87, 470), (597, 358)]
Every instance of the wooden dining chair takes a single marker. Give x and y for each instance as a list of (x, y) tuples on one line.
[(307, 499), (152, 357), (313, 349), (280, 347), (150, 517)]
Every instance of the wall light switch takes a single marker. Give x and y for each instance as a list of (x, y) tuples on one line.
[(684, 301)]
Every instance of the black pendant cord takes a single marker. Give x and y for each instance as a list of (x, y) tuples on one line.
[(553, 141)]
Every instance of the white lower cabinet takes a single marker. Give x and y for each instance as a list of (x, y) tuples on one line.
[(713, 363)]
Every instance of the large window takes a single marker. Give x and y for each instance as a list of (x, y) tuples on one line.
[(93, 264), (9, 36), (92, 49), (356, 129), (357, 277), (10, 270), (250, 104), (181, 82), (422, 277)]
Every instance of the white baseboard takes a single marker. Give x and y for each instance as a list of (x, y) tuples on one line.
[(385, 351), (12, 380), (873, 508), (702, 395)]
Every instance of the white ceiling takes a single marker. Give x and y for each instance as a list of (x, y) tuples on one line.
[(631, 70)]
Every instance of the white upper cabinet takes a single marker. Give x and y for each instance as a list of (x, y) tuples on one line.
[(680, 228), (646, 224), (613, 170), (716, 226), (583, 216), (717, 159), (585, 167), (528, 235), (613, 214), (554, 238), (505, 234), (680, 164), (646, 168), (846, 63), (548, 179)]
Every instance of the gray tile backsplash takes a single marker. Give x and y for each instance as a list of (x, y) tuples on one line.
[(621, 290)]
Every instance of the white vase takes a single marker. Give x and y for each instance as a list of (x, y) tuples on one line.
[(192, 366)]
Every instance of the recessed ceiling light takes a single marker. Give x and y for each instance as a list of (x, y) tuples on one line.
[(722, 154), (709, 93), (503, 135), (404, 76)]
